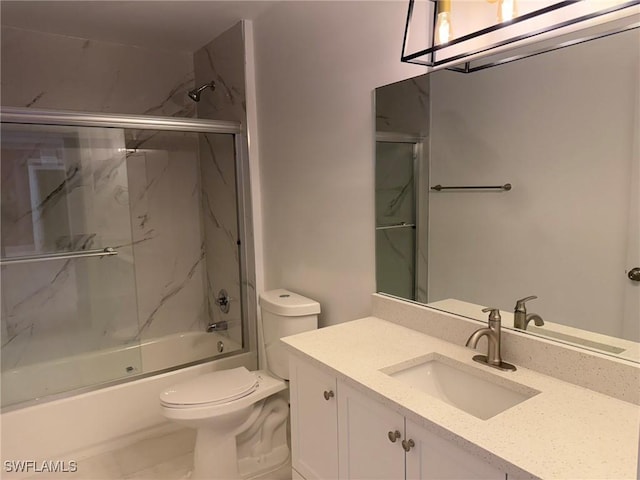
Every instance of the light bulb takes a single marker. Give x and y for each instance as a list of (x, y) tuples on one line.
[(507, 10), (443, 30)]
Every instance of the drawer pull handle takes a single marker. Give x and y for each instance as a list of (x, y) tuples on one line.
[(393, 436), (328, 394), (408, 444)]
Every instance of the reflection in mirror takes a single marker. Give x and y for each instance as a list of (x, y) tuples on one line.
[(562, 129)]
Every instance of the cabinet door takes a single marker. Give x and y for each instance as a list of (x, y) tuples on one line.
[(365, 448), (435, 458), (314, 427)]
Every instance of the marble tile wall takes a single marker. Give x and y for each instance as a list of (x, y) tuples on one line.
[(171, 210), (64, 307), (164, 190), (41, 70), (222, 61)]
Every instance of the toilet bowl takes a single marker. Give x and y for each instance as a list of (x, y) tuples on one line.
[(241, 416)]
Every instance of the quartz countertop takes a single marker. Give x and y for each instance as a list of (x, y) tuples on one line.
[(564, 432)]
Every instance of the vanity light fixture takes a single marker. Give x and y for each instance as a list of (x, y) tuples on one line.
[(429, 39)]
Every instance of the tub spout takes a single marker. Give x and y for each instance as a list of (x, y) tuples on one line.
[(218, 326)]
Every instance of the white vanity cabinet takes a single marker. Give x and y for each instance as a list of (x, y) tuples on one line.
[(378, 443), (339, 432), (371, 436), (314, 421)]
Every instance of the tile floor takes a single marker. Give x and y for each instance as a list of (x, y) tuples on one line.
[(166, 457)]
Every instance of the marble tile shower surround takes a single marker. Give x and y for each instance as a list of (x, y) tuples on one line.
[(608, 375), (167, 233), (168, 216), (222, 61), (65, 307), (45, 71), (219, 194)]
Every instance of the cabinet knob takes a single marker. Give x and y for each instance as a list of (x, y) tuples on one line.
[(328, 394), (393, 436), (408, 444)]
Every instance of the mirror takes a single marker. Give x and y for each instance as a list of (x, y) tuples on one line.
[(561, 129)]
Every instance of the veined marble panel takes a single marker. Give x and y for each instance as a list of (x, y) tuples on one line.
[(41, 70), (181, 234), (219, 207), (64, 189), (167, 237), (222, 60)]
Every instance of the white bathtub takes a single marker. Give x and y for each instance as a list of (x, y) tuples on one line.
[(95, 422), (70, 373)]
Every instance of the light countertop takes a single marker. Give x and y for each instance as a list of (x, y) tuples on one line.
[(564, 432), (598, 342)]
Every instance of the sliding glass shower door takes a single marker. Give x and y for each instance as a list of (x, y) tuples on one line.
[(68, 280), (123, 249)]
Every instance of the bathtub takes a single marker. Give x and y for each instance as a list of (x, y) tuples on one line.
[(102, 420), (77, 371)]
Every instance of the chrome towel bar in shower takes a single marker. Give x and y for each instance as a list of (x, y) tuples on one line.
[(397, 225), (103, 252), (505, 187)]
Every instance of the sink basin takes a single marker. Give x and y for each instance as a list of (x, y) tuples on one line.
[(469, 389)]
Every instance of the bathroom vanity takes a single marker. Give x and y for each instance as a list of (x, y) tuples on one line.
[(362, 407)]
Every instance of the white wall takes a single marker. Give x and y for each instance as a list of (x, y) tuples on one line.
[(317, 64)]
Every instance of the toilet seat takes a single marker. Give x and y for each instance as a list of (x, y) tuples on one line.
[(266, 386), (211, 389)]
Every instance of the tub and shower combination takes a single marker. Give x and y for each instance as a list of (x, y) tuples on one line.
[(125, 265)]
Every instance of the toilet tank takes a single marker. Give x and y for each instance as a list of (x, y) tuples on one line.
[(284, 313)]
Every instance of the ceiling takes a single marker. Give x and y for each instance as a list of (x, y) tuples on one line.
[(172, 25)]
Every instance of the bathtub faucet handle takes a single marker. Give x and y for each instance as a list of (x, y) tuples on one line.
[(223, 300)]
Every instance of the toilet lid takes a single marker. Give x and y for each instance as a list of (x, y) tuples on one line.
[(211, 389)]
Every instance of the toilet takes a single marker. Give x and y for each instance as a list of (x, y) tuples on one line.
[(241, 416)]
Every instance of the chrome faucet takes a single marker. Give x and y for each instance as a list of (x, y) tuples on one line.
[(493, 334), (520, 317), (218, 326)]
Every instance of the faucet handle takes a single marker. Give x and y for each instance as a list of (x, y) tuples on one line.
[(520, 304), (494, 316)]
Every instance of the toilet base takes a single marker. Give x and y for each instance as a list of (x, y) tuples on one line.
[(266, 466), (252, 449), (214, 457)]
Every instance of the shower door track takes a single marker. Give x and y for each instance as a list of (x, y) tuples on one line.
[(141, 122)]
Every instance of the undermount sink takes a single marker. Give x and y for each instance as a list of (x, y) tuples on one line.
[(476, 392)]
